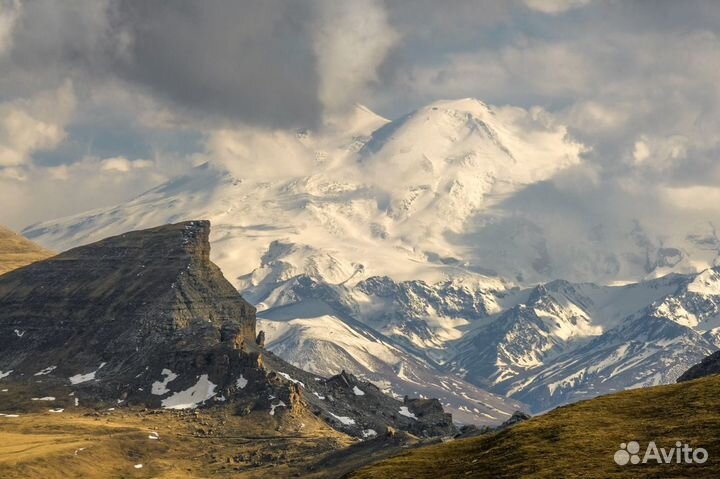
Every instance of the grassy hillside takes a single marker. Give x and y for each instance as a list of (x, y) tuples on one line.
[(109, 444), (17, 251), (580, 440)]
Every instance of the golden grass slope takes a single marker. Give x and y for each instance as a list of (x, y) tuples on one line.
[(113, 444), (580, 440), (17, 251)]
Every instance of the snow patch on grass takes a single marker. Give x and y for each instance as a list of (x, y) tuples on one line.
[(273, 406)]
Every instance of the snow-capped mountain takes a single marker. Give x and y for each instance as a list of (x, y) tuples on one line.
[(544, 346), (575, 341), (405, 256)]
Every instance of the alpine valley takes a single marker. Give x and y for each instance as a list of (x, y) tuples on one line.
[(408, 254)]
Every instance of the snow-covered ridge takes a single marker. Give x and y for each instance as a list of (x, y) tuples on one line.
[(395, 199), (544, 346)]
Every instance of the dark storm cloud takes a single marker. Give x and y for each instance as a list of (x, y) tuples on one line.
[(247, 61), (251, 61)]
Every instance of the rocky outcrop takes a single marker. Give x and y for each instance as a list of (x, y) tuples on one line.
[(142, 318), (145, 318), (16, 251), (708, 366), (128, 316), (360, 408), (518, 416), (123, 300)]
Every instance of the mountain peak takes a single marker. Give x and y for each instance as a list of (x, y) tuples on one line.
[(469, 104)]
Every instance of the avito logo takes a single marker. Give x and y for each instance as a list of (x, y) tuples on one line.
[(680, 454)]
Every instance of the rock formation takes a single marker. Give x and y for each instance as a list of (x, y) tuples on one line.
[(708, 366), (145, 318)]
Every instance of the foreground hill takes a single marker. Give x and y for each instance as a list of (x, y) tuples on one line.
[(107, 442), (580, 440), (17, 251)]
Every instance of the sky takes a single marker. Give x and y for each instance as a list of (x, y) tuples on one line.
[(101, 100)]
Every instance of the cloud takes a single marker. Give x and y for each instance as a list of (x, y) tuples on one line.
[(34, 124), (259, 154), (554, 7), (249, 61), (123, 165), (176, 82), (9, 13), (273, 64), (41, 193), (351, 41)]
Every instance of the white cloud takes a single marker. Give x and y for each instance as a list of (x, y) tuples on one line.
[(259, 153), (641, 152), (696, 198), (554, 7), (123, 165), (10, 11), (351, 41), (43, 193), (34, 124)]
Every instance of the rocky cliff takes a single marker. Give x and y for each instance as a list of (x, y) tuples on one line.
[(146, 319), (124, 301)]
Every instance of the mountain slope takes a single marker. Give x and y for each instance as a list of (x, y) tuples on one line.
[(567, 342), (394, 199), (580, 440), (327, 345), (17, 251)]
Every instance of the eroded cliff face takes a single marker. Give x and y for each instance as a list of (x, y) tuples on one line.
[(136, 303), (146, 319)]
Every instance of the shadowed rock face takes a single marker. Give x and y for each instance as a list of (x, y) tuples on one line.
[(146, 299), (708, 366)]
